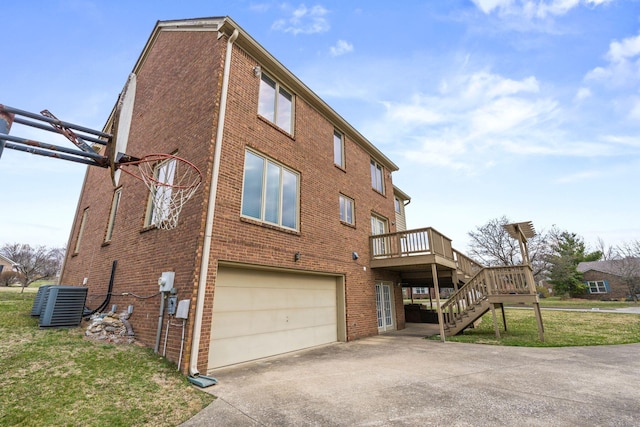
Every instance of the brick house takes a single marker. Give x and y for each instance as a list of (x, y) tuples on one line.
[(604, 279), (276, 249)]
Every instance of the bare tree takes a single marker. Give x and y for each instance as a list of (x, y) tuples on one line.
[(492, 246), (608, 252), (8, 278), (627, 266), (33, 263)]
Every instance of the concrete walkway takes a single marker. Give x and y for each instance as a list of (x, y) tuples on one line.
[(401, 379)]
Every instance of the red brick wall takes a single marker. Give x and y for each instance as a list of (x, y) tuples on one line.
[(324, 242), (618, 289), (178, 91), (175, 109)]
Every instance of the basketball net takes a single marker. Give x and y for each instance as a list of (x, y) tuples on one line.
[(171, 180)]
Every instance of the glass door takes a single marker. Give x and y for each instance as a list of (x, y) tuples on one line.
[(384, 307)]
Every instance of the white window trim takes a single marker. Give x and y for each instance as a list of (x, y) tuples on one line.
[(597, 287), (83, 222), (375, 168), (277, 88), (397, 204), (115, 202), (350, 201), (160, 193), (340, 136), (263, 201)]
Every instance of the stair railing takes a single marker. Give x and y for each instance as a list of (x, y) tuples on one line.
[(488, 281)]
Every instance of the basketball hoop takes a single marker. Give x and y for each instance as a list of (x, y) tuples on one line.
[(171, 180)]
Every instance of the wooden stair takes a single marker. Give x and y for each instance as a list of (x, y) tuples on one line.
[(491, 286), (466, 318)]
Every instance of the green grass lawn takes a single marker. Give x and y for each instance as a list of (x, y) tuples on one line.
[(55, 377), (557, 302), (562, 329)]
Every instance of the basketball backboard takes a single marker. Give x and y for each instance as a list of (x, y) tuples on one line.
[(121, 126)]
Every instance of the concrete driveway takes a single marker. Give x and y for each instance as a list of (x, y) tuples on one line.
[(401, 379)]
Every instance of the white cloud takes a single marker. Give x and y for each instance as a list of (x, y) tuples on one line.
[(304, 20), (579, 177), (488, 6), (259, 7), (341, 48), (533, 8), (476, 121), (623, 67), (622, 51), (582, 94)]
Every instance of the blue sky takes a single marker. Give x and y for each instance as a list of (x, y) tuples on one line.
[(529, 109)]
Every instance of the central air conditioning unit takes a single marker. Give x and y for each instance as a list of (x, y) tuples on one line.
[(63, 306), (38, 303)]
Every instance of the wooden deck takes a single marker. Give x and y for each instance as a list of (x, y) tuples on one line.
[(426, 258)]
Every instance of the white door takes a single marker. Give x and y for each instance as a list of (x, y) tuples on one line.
[(260, 313), (384, 305)]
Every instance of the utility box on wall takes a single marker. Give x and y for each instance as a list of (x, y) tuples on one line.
[(166, 281)]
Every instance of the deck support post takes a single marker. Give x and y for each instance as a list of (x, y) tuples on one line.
[(434, 272), (536, 308), (495, 320)]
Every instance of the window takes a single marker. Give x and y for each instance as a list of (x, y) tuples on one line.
[(338, 149), (270, 191), (346, 210), (112, 214), (421, 291), (160, 196), (398, 205), (598, 287), (377, 181), (380, 244), (83, 222), (275, 103)]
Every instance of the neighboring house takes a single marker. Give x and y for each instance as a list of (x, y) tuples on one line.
[(604, 279), (6, 264), (290, 262)]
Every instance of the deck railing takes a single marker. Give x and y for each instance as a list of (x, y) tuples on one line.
[(422, 241), (487, 282), (465, 264)]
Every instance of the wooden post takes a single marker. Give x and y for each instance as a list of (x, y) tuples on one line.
[(495, 320), (434, 272)]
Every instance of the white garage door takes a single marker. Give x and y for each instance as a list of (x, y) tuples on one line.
[(263, 313)]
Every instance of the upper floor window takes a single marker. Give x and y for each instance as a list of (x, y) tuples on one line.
[(270, 191), (398, 205), (112, 215), (83, 222), (346, 210), (338, 149), (377, 176), (275, 103), (158, 206)]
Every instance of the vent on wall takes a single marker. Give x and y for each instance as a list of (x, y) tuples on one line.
[(63, 306), (38, 303)]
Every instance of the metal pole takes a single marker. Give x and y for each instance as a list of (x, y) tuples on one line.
[(6, 120), (54, 121)]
